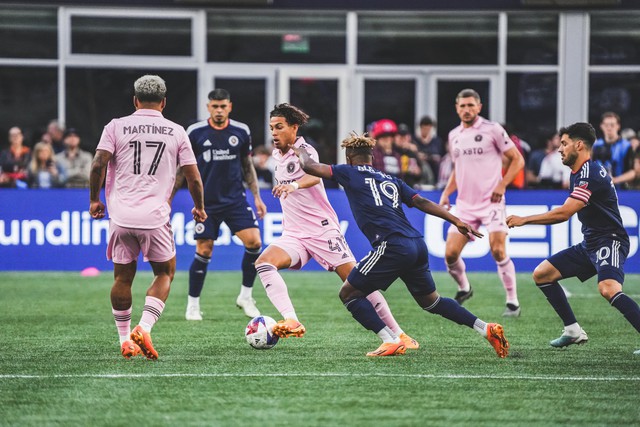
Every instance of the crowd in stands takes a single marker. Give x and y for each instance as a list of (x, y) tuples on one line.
[(420, 158)]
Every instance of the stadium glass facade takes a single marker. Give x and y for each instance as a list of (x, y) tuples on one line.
[(536, 70)]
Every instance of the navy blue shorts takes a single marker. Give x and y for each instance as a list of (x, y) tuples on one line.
[(606, 260), (237, 218), (396, 257)]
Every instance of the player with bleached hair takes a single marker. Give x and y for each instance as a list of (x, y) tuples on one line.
[(140, 154), (311, 229), (399, 250)]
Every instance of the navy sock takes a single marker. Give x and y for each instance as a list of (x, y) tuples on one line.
[(450, 309), (558, 300), (249, 266), (362, 310), (628, 307), (197, 273)]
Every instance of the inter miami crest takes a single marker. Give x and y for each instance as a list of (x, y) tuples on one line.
[(291, 166), (478, 138)]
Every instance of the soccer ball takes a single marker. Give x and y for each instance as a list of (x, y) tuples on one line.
[(259, 333)]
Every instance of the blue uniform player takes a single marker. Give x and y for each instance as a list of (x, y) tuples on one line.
[(223, 149), (606, 243), (399, 250)]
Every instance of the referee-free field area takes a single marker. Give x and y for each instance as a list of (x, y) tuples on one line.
[(60, 362)]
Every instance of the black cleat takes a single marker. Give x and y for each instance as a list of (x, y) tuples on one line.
[(462, 296)]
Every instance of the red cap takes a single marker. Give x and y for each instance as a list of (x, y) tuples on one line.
[(384, 127)]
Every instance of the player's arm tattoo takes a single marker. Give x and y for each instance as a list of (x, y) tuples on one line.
[(250, 176), (98, 171), (177, 185)]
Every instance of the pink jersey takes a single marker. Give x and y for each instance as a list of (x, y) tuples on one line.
[(146, 149), (477, 156), (306, 211)]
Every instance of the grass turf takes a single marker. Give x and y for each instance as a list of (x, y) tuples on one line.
[(60, 362)]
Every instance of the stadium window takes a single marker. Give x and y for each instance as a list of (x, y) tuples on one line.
[(379, 105), (532, 38), (532, 105), (95, 96), (249, 98), (277, 37), (29, 100), (617, 92), (615, 38), (28, 32), (124, 35), (434, 38)]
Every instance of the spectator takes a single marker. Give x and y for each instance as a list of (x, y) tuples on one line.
[(553, 173), (518, 182), (628, 133), (43, 171), (385, 156), (410, 166), (263, 163), (430, 146), (631, 178), (612, 151), (56, 131), (445, 169), (14, 160), (75, 162), (535, 159)]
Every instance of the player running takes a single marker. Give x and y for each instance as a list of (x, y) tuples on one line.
[(311, 229), (399, 250), (605, 246), (140, 154)]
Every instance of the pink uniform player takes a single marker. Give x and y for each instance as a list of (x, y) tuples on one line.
[(478, 147), (140, 154), (311, 229)]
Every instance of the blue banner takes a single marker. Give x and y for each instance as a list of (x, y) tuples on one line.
[(52, 230)]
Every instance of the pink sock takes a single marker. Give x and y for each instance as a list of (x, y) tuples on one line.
[(457, 271), (276, 288), (382, 308), (123, 323), (507, 273), (151, 312)]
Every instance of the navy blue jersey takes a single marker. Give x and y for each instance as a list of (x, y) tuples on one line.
[(376, 201), (219, 153), (600, 217)]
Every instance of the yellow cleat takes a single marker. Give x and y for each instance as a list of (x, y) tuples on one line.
[(289, 328), (495, 336), (388, 349)]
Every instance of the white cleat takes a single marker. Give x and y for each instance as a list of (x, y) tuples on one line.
[(193, 313), (249, 306)]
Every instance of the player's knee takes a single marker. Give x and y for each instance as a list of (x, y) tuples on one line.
[(540, 275), (451, 257), (348, 292), (608, 288)]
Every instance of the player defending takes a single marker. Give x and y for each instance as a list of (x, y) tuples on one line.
[(399, 250), (311, 229), (606, 243), (477, 146), (223, 149), (140, 154)]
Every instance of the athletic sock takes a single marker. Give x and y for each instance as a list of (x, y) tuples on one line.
[(276, 289), (362, 310), (123, 323), (249, 266), (382, 308), (387, 335), (628, 307), (245, 292), (558, 300), (193, 301), (197, 273), (457, 270), (480, 326), (450, 309), (151, 312), (507, 273)]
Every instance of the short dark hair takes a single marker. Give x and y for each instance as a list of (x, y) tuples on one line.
[(219, 95), (427, 121), (582, 131), (293, 115), (466, 93), (610, 114)]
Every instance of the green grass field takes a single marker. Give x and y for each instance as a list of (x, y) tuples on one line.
[(60, 362)]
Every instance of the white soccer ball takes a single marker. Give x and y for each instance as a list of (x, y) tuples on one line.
[(259, 333)]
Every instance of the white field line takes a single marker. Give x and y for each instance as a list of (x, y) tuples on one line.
[(317, 375)]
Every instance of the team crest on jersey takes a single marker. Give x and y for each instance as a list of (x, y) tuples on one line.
[(582, 184), (478, 138), (199, 228), (291, 166), (233, 140)]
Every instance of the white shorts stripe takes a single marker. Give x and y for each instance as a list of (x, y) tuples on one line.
[(371, 262)]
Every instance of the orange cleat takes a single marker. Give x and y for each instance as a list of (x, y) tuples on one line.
[(409, 343), (143, 339), (130, 349), (289, 328), (388, 349), (495, 336)]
